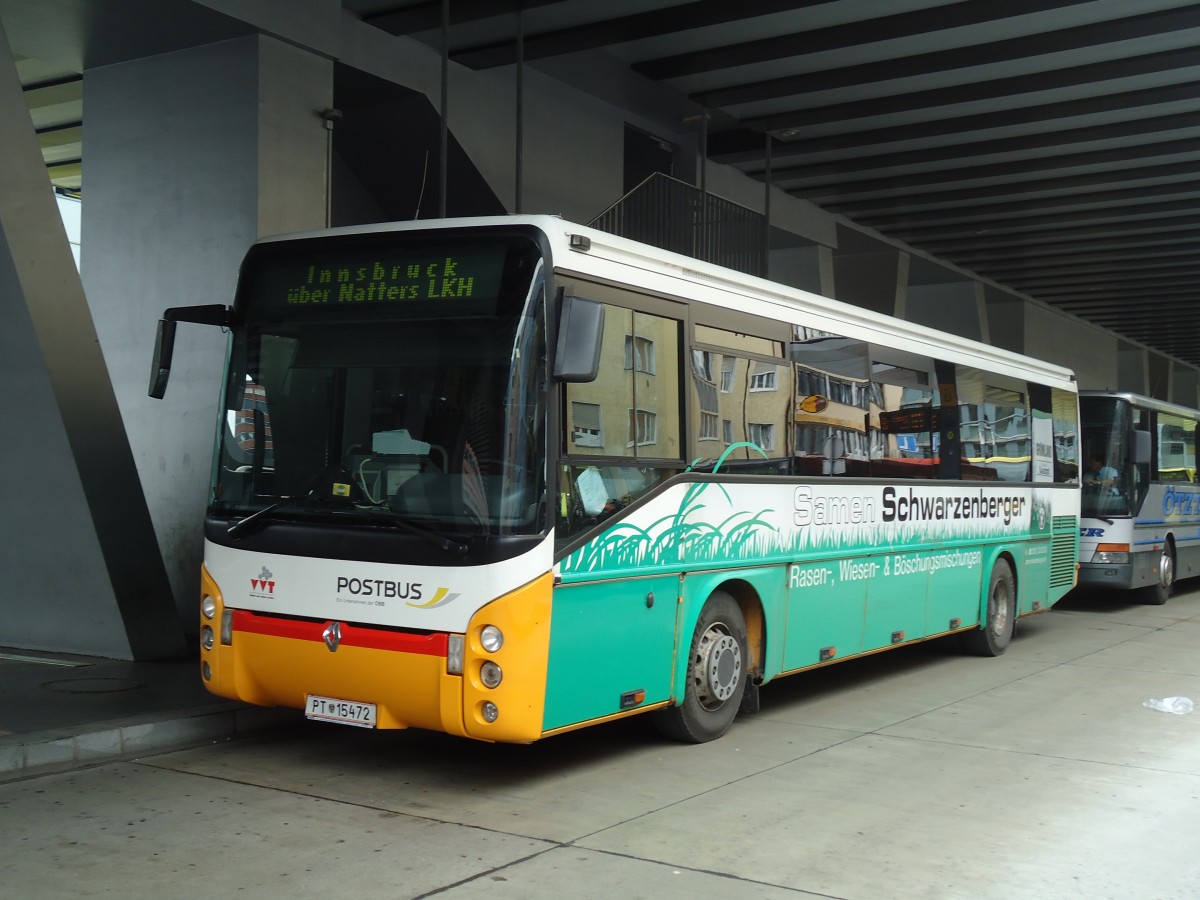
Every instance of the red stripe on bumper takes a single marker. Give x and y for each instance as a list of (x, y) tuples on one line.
[(352, 635)]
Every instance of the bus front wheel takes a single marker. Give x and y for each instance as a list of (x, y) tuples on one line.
[(1159, 592), (997, 628), (716, 675)]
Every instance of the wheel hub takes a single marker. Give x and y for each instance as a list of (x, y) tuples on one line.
[(718, 667), (1166, 570)]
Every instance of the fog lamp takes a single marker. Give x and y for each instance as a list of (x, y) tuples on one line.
[(490, 674), (489, 711)]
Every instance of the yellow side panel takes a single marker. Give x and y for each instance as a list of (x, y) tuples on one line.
[(524, 618)]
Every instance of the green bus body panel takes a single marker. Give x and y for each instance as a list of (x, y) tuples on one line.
[(823, 610), (607, 640), (826, 594)]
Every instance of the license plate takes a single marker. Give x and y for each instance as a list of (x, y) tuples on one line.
[(344, 712)]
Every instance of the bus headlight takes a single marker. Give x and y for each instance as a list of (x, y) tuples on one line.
[(489, 711), (207, 638), (491, 638), (208, 606), (1111, 555), (490, 674)]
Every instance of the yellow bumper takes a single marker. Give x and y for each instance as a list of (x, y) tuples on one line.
[(279, 661)]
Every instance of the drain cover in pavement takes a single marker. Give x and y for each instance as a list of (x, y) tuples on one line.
[(93, 685)]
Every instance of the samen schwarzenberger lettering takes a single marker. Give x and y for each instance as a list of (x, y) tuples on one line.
[(811, 510), (910, 507), (899, 505)]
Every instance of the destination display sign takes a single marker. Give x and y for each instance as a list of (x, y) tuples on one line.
[(389, 276), (907, 421)]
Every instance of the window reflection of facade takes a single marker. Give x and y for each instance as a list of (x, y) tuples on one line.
[(632, 387), (739, 396)]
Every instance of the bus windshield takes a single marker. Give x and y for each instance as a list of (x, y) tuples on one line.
[(1109, 476), (400, 382)]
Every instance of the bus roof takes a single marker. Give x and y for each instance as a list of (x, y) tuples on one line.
[(587, 251), (1144, 402)]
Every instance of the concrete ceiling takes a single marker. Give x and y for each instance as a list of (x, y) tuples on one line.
[(1052, 146)]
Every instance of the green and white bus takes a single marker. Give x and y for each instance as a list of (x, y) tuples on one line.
[(1141, 504), (508, 477)]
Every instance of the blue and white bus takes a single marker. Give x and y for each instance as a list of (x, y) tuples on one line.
[(1141, 504)]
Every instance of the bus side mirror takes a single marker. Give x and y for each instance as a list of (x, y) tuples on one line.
[(1141, 447), (580, 332), (164, 340), (160, 365)]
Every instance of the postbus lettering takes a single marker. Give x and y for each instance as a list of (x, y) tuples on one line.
[(378, 587)]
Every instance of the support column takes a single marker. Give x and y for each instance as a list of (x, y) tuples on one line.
[(82, 567), (191, 156), (869, 273)]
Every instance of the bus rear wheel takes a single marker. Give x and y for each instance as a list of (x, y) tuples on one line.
[(993, 637), (716, 675), (1160, 592)]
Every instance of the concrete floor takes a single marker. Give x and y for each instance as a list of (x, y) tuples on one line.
[(917, 773)]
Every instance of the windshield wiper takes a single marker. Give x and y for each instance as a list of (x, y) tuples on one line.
[(457, 548), (262, 515)]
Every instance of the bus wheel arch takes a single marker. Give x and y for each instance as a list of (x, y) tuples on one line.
[(998, 611), (1164, 585), (718, 666), (753, 615)]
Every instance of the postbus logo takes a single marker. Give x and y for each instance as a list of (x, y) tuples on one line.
[(413, 593)]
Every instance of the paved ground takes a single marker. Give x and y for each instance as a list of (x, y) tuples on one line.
[(917, 773)]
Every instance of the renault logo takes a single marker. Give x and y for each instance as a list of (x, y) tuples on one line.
[(333, 636)]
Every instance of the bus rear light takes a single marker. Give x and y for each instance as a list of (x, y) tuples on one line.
[(454, 654), (1111, 554), (490, 674), (489, 711), (227, 627)]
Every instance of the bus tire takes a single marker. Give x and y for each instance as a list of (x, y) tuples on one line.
[(996, 630), (1160, 592), (716, 675)]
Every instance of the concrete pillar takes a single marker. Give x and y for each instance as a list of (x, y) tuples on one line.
[(81, 568), (1089, 351), (1005, 319), (809, 268), (191, 156), (1158, 376), (1132, 369), (869, 273), (954, 307), (1185, 385)]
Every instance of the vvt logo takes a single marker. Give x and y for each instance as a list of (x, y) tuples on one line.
[(264, 582)]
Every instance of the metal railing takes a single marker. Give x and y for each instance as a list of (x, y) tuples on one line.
[(673, 215)]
